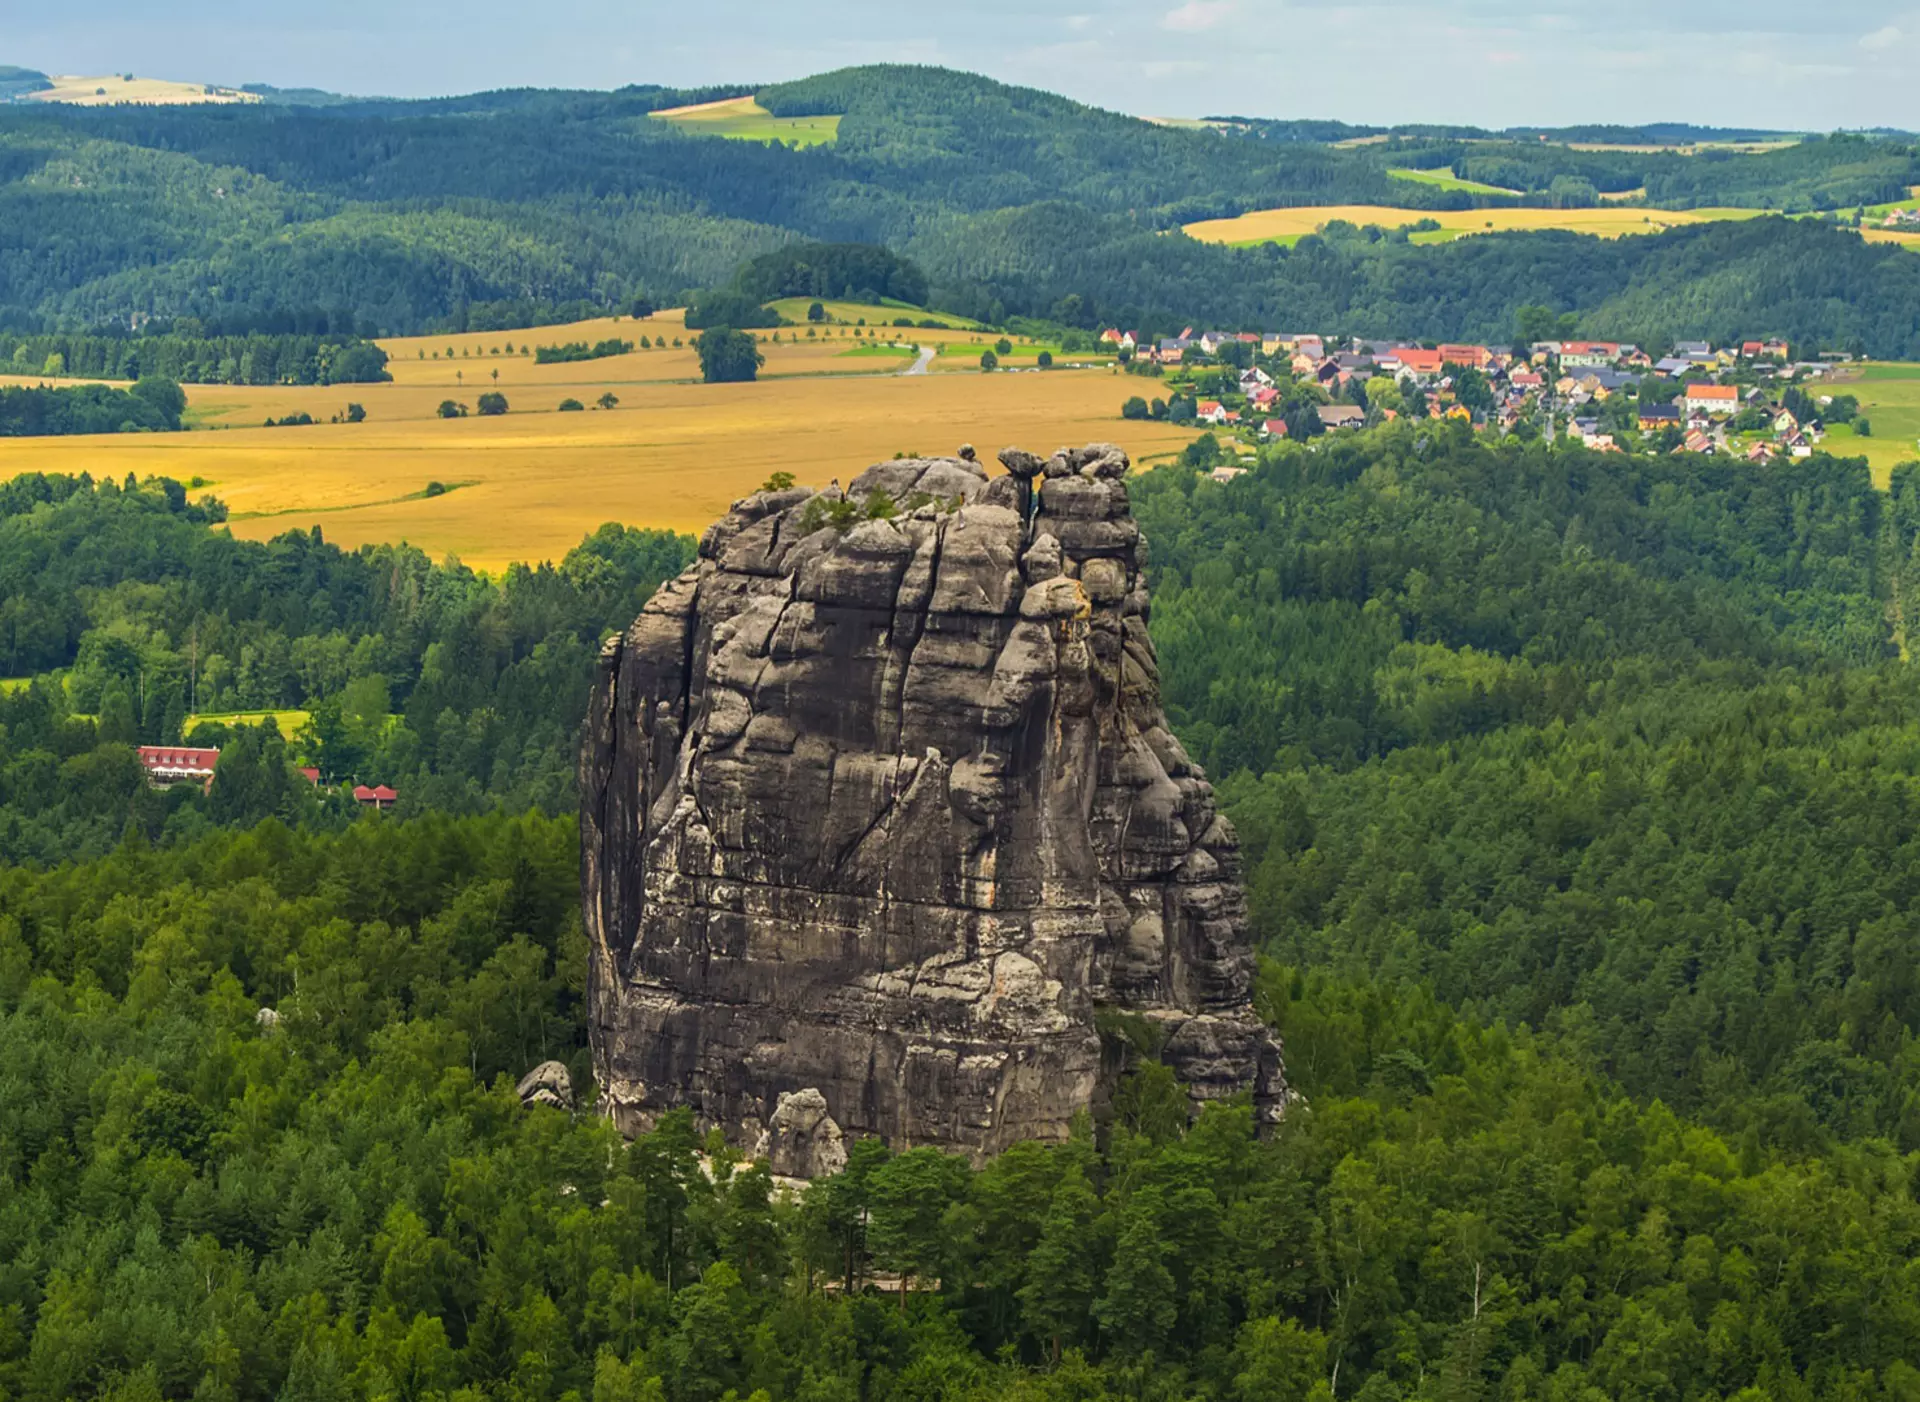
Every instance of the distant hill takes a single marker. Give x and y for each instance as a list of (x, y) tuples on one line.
[(18, 82), (425, 215)]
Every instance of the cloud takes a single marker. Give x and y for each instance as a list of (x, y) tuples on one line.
[(1197, 16), (1884, 38), (1079, 22)]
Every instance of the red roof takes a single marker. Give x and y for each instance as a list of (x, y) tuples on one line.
[(1729, 392), (1276, 427), (310, 774), (178, 757), (1421, 362), (379, 793)]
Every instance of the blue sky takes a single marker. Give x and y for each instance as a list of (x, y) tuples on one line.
[(1779, 63)]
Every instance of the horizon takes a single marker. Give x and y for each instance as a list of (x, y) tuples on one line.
[(1764, 65)]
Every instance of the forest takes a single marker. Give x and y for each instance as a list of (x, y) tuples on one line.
[(506, 209), (1580, 797), (460, 691), (150, 405)]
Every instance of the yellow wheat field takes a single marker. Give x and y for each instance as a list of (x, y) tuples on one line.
[(528, 486), (1608, 221)]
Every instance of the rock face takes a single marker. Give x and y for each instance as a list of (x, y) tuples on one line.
[(881, 824)]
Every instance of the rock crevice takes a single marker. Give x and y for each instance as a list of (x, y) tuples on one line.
[(880, 810)]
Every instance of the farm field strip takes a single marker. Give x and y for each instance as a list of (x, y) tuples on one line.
[(1608, 221), (529, 486), (1446, 180)]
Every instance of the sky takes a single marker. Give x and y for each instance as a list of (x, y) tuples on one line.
[(1764, 63)]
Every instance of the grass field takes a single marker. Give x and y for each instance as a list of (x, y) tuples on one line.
[(528, 485), (1889, 397), (744, 119), (1608, 221), (795, 309), (1447, 180), (147, 92), (288, 722)]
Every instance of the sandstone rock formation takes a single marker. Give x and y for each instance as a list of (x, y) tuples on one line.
[(882, 824)]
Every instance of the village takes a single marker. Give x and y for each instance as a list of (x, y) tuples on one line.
[(1753, 398)]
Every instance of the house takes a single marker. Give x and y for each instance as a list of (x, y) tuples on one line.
[(1272, 344), (379, 797), (1672, 365), (167, 765), (1310, 345), (1759, 452), (1697, 442), (1420, 364), (1264, 398), (1303, 364), (1110, 337), (1775, 350), (1252, 377), (1172, 357), (310, 774), (1686, 350), (1474, 356), (1342, 416), (1749, 350), (1273, 428), (1224, 475), (1231, 418), (1210, 411), (1590, 354), (1654, 417), (1713, 400), (1526, 379), (1633, 358), (1785, 424)]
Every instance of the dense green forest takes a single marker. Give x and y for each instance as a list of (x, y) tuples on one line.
[(1624, 748), (150, 405), (504, 209), (460, 691), (1581, 803)]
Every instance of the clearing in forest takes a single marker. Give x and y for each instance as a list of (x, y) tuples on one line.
[(744, 119), (1444, 179)]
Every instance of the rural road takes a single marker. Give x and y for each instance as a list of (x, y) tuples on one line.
[(922, 361)]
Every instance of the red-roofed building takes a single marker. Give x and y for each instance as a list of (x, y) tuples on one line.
[(1476, 356), (378, 797), (1210, 411), (1415, 361), (310, 774), (1274, 428), (167, 765)]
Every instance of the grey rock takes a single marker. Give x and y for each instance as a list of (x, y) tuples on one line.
[(875, 823), (547, 1084)]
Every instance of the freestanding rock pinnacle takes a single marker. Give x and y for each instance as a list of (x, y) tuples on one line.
[(882, 825)]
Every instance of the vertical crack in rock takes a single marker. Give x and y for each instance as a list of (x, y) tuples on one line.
[(877, 819)]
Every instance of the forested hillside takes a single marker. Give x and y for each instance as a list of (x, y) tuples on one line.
[(502, 207), (461, 692), (1617, 746), (1579, 797)]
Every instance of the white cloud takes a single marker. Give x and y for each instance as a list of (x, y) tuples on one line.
[(1079, 22), (1197, 16), (1884, 38)]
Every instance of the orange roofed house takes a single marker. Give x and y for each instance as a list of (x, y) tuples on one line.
[(378, 797), (1713, 399), (1479, 357)]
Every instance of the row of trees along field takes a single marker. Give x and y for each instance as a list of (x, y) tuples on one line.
[(1576, 792), (151, 405), (257, 359)]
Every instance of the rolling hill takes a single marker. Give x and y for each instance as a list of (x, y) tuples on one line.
[(502, 208)]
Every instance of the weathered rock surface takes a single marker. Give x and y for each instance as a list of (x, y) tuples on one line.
[(547, 1084), (879, 814)]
